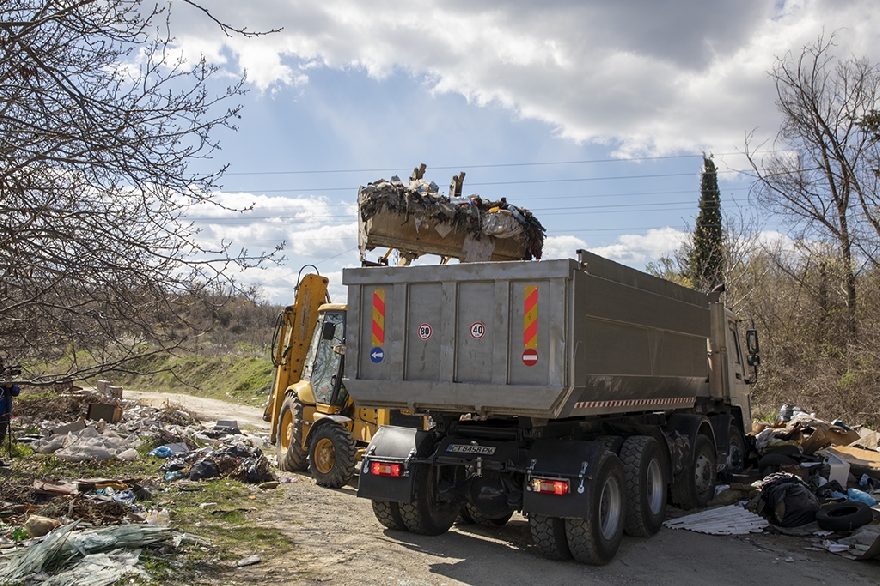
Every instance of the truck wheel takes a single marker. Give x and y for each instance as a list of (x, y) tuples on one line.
[(388, 513), (595, 538), (695, 486), (736, 450), (476, 516), (288, 446), (548, 535), (644, 467), (332, 455), (423, 515)]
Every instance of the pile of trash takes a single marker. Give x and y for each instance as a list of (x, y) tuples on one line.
[(225, 451), (56, 531), (473, 219), (816, 479)]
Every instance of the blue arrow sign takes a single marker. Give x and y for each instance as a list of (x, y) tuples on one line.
[(377, 354)]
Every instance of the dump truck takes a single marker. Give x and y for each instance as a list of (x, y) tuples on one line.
[(314, 423), (581, 393)]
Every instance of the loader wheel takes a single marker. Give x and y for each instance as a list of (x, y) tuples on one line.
[(474, 514), (736, 450), (644, 467), (595, 538), (548, 535), (388, 513), (423, 515), (288, 446), (332, 455), (694, 487)]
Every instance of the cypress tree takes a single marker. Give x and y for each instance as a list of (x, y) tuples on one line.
[(706, 262)]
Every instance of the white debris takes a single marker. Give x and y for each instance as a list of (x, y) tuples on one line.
[(730, 520)]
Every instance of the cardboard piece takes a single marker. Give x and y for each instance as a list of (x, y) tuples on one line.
[(109, 412), (64, 429)]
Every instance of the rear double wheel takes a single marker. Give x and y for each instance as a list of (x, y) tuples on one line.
[(548, 537), (595, 538), (644, 466), (427, 515), (332, 455), (388, 513)]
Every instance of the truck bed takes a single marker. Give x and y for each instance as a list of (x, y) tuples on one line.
[(545, 339)]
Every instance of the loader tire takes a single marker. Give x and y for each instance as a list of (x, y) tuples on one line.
[(694, 487), (595, 538), (292, 457), (479, 518), (332, 455), (423, 515), (644, 467), (548, 536), (388, 513)]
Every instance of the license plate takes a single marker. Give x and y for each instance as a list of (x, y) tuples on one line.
[(469, 449)]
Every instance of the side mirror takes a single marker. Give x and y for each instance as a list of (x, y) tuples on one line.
[(328, 331), (339, 349), (752, 342)]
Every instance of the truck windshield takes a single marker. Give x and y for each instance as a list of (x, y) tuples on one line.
[(322, 363)]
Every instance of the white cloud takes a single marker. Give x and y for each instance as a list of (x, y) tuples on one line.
[(636, 250), (643, 76), (312, 228)]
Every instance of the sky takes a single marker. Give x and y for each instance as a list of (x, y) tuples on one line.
[(592, 114)]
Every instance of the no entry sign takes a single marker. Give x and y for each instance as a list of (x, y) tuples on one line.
[(530, 357)]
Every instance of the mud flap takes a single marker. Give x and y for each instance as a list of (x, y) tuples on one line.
[(574, 461), (393, 445)]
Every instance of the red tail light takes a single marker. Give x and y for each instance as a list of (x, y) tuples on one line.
[(385, 469), (548, 486)]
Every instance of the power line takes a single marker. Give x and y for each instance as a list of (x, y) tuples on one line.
[(518, 182), (483, 166)]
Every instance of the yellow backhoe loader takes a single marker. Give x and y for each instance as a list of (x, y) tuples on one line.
[(315, 424)]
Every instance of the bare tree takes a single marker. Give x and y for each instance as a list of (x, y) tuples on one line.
[(100, 124), (820, 173)]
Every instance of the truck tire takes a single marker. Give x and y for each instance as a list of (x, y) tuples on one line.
[(471, 512), (332, 455), (388, 513), (736, 449), (845, 516), (595, 538), (423, 515), (548, 535), (288, 445), (694, 487), (644, 467)]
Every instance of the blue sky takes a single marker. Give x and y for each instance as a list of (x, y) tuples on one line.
[(591, 114)]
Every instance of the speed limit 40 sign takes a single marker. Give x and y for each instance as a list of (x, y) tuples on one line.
[(478, 330)]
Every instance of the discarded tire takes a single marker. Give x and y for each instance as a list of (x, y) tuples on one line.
[(844, 516)]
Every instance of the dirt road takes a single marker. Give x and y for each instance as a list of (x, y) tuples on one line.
[(205, 409), (340, 542)]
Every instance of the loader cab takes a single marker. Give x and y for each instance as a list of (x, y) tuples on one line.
[(323, 365)]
